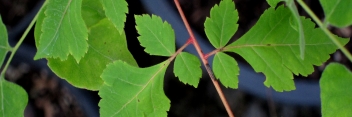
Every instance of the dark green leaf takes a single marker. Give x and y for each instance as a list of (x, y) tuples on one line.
[(157, 36), (221, 25), (132, 91), (187, 68), (335, 86)]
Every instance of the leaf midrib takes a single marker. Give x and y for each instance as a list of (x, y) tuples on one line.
[(158, 38), (271, 45), (333, 9), (150, 80), (58, 27)]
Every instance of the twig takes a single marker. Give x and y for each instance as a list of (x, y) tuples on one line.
[(204, 60)]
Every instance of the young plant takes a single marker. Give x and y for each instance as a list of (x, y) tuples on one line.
[(85, 44)]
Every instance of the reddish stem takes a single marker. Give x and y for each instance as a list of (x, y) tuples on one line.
[(204, 60)]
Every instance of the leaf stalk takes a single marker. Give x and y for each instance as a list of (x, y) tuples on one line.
[(326, 31)]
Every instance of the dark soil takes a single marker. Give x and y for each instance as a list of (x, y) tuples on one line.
[(47, 96)]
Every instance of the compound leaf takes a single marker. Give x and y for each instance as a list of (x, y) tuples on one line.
[(13, 99), (157, 36), (133, 91), (337, 12), (116, 11), (271, 47), (335, 87), (221, 25), (4, 44), (226, 69), (64, 31), (187, 68)]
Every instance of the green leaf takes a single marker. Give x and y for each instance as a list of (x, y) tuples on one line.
[(116, 11), (105, 46), (13, 99), (221, 25), (4, 44), (187, 68), (226, 69), (38, 26), (271, 47), (335, 87), (132, 91), (157, 36), (92, 12), (297, 25), (64, 31), (273, 3), (337, 12)]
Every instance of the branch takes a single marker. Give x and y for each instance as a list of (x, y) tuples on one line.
[(204, 60)]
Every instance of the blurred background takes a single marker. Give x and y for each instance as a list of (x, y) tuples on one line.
[(50, 96)]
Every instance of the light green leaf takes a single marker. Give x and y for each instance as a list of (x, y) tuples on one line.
[(116, 11), (337, 12), (271, 47), (4, 44), (273, 3), (187, 68), (157, 36), (64, 31), (105, 46), (226, 69), (13, 99), (130, 91), (335, 87), (221, 25)]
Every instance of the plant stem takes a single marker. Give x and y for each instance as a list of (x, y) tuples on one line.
[(326, 31), (18, 44), (206, 56), (204, 60), (173, 56)]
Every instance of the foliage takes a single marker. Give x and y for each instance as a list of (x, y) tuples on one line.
[(86, 38)]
